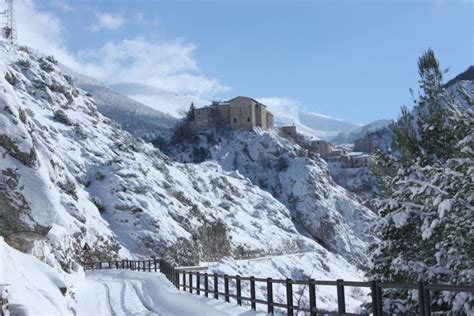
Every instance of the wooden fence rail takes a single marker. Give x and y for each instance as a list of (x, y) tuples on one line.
[(184, 280), (151, 265)]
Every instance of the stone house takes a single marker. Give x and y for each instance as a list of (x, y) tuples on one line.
[(289, 131), (322, 147), (240, 113), (357, 160)]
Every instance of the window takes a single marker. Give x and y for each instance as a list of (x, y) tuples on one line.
[(248, 119), (235, 120)]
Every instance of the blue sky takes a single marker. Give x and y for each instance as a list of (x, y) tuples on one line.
[(353, 60)]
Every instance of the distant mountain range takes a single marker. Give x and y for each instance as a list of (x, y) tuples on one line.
[(466, 75), (140, 120), (348, 137), (310, 124), (158, 99), (150, 112)]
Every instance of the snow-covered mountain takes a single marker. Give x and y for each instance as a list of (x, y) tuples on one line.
[(158, 99), (321, 209), (309, 124), (467, 75), (72, 175), (324, 123), (134, 117), (348, 137), (313, 125)]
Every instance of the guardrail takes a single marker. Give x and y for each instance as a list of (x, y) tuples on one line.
[(183, 280), (151, 265)]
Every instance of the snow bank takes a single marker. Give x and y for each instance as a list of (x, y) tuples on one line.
[(34, 288)]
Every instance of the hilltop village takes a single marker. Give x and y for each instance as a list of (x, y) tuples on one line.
[(244, 114)]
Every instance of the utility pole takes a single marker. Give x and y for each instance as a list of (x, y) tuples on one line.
[(9, 26)]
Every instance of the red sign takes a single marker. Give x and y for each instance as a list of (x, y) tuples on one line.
[(86, 256)]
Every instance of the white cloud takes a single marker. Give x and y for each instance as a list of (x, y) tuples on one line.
[(42, 30), (169, 66), (108, 21), (166, 65), (283, 107)]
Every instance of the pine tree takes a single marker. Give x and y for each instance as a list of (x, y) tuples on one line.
[(190, 114), (425, 210)]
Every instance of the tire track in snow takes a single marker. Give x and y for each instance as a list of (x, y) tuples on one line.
[(109, 301), (142, 300)]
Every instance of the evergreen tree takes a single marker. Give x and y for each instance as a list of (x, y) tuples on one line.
[(190, 114), (425, 212)]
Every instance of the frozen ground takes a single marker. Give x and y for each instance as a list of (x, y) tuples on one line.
[(142, 293)]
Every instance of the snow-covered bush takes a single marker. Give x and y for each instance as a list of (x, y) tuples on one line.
[(98, 203), (61, 116), (213, 241)]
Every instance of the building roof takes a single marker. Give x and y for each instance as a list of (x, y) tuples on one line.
[(241, 96)]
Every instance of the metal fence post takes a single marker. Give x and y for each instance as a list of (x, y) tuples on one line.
[(426, 293), (226, 287), (238, 286), (341, 300), (184, 281), (373, 295), (269, 296), (312, 297), (206, 284), (216, 287), (190, 282), (421, 299), (378, 298), (252, 293), (289, 297), (198, 284)]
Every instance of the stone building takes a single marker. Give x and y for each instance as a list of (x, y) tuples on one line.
[(322, 147), (240, 113), (289, 131), (357, 160)]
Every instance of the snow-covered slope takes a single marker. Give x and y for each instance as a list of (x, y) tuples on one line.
[(158, 99), (30, 286), (73, 175), (311, 267), (321, 209), (314, 125), (325, 123), (348, 137), (134, 117)]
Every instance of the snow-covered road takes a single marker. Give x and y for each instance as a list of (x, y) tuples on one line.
[(141, 293)]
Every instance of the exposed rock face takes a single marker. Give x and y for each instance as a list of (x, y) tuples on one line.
[(319, 207)]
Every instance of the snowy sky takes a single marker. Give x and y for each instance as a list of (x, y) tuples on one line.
[(354, 60)]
